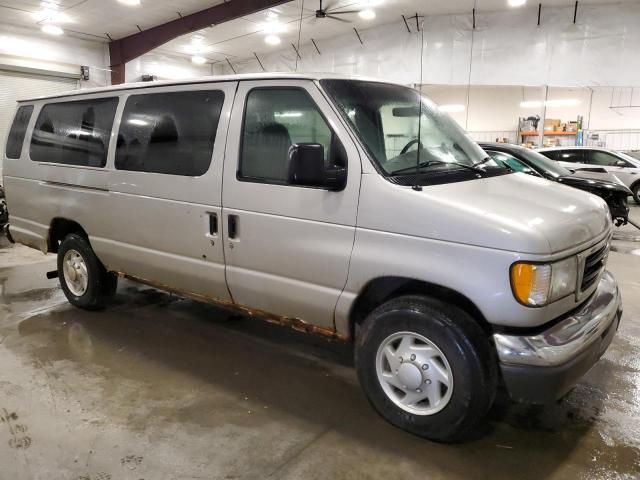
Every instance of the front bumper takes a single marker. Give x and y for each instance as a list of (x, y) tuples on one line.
[(543, 367)]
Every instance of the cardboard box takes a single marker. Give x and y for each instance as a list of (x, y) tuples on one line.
[(552, 124)]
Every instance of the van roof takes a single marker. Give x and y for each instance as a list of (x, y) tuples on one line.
[(207, 79)]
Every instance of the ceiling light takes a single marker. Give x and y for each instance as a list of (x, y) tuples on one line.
[(198, 60), (565, 102), (50, 13), (531, 104), (516, 3), (452, 108), (367, 14), (272, 40), (52, 29), (130, 3), (272, 27)]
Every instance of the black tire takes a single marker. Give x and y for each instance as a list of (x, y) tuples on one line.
[(101, 285), (471, 358), (635, 189)]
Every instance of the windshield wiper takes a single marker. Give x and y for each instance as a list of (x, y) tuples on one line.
[(436, 162)]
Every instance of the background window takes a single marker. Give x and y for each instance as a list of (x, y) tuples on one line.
[(510, 161), (573, 156), (171, 133), (74, 133), (275, 119), (18, 130), (597, 157)]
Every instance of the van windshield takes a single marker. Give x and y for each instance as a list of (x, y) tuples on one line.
[(395, 123)]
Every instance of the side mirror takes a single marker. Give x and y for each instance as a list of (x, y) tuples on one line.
[(307, 168), (620, 163)]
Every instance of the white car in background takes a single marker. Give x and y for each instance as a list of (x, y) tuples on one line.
[(625, 167)]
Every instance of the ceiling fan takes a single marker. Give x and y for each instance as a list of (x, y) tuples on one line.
[(333, 12)]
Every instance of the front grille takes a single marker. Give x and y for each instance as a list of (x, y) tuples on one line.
[(594, 265)]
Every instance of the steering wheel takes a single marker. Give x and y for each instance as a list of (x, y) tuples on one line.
[(411, 144)]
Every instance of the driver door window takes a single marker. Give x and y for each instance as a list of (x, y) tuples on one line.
[(275, 119)]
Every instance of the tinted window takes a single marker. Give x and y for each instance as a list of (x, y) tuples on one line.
[(275, 119), (74, 133), (18, 130), (171, 133), (573, 156), (597, 157)]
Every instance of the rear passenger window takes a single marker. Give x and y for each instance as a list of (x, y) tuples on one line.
[(171, 133), (74, 133), (18, 130)]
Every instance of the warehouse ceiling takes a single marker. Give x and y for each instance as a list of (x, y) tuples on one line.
[(104, 19)]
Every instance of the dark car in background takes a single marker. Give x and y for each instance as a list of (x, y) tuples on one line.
[(525, 160)]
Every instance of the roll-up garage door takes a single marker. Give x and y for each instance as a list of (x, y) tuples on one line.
[(16, 85)]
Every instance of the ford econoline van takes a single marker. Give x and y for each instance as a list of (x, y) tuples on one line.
[(346, 207)]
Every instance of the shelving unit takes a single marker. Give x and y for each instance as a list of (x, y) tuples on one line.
[(547, 134)]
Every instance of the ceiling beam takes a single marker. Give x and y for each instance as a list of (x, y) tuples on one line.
[(128, 48)]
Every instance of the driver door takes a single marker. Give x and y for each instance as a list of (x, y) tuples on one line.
[(287, 247)]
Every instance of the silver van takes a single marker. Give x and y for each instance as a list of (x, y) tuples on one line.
[(346, 207)]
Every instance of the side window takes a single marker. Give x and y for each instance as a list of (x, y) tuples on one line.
[(275, 119), (605, 159), (74, 133), (512, 162), (573, 156), (551, 154), (171, 133), (18, 131)]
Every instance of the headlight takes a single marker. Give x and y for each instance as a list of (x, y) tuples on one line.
[(535, 285)]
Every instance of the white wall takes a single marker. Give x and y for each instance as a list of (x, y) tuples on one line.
[(164, 67), (31, 50), (601, 49)]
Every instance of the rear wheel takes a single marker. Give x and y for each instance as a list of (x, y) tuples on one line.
[(427, 367), (84, 280)]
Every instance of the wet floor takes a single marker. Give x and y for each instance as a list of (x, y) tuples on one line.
[(162, 388)]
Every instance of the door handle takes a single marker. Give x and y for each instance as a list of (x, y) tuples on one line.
[(232, 221), (213, 224)]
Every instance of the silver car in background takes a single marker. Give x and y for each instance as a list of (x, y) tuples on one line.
[(625, 167)]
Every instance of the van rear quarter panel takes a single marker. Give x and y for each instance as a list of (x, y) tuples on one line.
[(38, 192)]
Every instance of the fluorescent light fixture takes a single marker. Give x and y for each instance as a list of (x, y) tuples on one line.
[(516, 3), (272, 40), (564, 102), (367, 14), (137, 121), (452, 108), (130, 3), (198, 60), (287, 114), (52, 29)]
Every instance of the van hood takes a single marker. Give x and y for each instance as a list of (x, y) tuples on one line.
[(514, 212)]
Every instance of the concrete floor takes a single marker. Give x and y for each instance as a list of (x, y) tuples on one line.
[(159, 387)]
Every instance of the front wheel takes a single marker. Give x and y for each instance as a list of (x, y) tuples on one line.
[(84, 280), (427, 367), (635, 189)]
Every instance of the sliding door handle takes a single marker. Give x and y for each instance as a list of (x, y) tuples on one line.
[(232, 223), (213, 224)]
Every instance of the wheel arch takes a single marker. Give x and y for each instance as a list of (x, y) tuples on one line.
[(382, 289), (59, 228)]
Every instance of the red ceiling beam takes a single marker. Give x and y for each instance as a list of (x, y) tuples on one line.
[(131, 47)]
